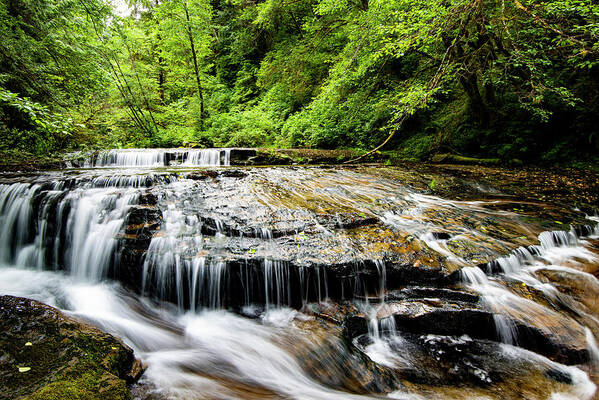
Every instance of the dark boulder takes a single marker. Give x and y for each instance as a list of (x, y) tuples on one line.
[(142, 219), (141, 224), (48, 355), (148, 199), (554, 340), (346, 220), (232, 173), (441, 235), (202, 175), (242, 156)]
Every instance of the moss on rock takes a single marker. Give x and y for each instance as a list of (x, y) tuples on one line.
[(48, 355)]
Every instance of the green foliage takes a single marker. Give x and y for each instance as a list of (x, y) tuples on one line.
[(45, 131), (510, 79)]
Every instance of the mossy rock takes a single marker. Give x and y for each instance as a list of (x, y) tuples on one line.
[(48, 355)]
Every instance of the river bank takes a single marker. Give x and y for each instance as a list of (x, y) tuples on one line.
[(571, 186)]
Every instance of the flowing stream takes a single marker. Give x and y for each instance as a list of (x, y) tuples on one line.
[(242, 283)]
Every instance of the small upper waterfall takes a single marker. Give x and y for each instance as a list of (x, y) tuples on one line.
[(208, 157), (160, 158), (129, 158)]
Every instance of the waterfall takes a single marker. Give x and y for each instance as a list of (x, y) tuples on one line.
[(129, 158), (554, 248), (473, 276), (557, 239), (16, 208), (382, 270), (62, 229), (208, 157), (194, 254), (277, 285), (160, 158)]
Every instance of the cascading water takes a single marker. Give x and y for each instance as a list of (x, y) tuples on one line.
[(160, 158), (129, 158), (555, 248), (16, 207), (208, 157), (315, 240), (53, 228)]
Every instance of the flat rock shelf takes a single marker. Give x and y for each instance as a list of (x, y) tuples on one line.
[(223, 281)]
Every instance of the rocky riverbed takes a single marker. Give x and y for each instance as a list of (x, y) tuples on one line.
[(411, 281)]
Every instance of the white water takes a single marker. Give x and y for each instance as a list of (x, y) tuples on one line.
[(130, 158), (208, 157), (204, 352), (215, 354), (555, 249), (160, 158), (182, 350), (83, 239)]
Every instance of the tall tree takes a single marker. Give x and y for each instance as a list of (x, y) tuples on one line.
[(195, 62), (186, 21), (49, 63)]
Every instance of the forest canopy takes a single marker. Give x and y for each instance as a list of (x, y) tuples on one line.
[(508, 79)]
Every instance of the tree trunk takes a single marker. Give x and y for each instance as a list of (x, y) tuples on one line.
[(470, 84), (195, 65), (160, 62), (160, 81)]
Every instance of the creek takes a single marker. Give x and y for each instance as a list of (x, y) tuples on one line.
[(321, 282)]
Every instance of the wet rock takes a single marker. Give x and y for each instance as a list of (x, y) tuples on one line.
[(440, 360), (233, 228), (353, 326), (563, 344), (436, 363), (148, 199), (471, 322), (197, 176), (586, 230), (461, 358), (328, 360), (137, 370), (48, 355), (174, 157), (141, 224), (583, 288), (336, 366), (441, 235), (434, 293), (559, 376), (140, 218), (346, 220), (232, 173), (202, 175), (242, 156), (205, 174)]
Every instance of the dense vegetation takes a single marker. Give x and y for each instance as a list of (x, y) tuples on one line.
[(509, 78)]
